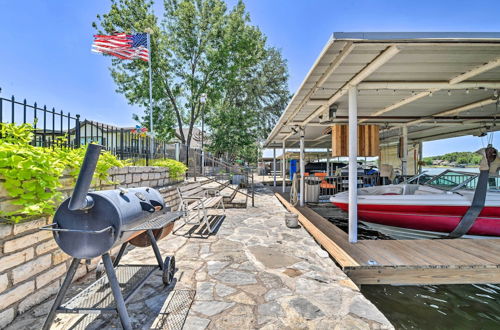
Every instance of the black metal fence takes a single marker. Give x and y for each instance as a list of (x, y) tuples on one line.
[(59, 129), (56, 128)]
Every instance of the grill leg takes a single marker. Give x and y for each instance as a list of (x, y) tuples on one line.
[(155, 248), (115, 288), (60, 295), (120, 254)]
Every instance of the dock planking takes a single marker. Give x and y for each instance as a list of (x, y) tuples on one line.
[(404, 262)]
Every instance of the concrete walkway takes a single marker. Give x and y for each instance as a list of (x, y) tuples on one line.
[(254, 273)]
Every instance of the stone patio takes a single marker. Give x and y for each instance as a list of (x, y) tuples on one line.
[(254, 273)]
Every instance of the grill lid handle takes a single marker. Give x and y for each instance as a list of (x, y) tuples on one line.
[(80, 200)]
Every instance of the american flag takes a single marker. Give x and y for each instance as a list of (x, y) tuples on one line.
[(122, 45)]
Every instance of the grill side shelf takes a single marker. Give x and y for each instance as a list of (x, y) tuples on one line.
[(157, 222)]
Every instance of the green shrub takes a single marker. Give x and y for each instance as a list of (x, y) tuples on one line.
[(176, 169), (31, 175)]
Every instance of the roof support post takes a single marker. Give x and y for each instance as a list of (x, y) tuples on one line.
[(302, 168), (327, 161), (353, 165), (274, 167), (283, 170), (404, 158)]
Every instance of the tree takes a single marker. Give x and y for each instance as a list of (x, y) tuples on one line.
[(250, 107), (199, 47)]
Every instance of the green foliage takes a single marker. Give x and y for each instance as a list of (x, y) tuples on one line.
[(176, 169), (31, 175), (201, 46), (463, 157)]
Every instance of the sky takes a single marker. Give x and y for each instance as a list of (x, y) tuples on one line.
[(45, 54)]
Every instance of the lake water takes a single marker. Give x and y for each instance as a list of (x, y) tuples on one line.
[(429, 306), (438, 170)]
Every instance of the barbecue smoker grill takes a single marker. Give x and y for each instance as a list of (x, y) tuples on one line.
[(88, 225)]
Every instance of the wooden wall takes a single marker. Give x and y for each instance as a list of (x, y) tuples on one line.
[(368, 140)]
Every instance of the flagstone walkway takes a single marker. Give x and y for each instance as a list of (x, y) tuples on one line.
[(254, 273)]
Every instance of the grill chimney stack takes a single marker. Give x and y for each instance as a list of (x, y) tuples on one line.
[(79, 199)]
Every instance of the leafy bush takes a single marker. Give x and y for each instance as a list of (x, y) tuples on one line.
[(31, 175), (175, 168)]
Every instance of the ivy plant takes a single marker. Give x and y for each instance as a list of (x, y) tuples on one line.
[(31, 175), (176, 169)]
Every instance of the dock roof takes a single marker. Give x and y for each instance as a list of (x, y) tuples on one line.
[(440, 84)]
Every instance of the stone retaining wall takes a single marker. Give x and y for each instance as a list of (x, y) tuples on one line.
[(32, 267)]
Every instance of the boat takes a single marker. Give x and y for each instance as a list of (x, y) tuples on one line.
[(425, 210)]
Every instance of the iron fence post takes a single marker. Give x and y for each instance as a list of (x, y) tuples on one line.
[(53, 126), (35, 120), (24, 111), (77, 132), (121, 143), (69, 133), (1, 110), (13, 101)]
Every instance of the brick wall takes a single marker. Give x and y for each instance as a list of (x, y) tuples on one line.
[(32, 267)]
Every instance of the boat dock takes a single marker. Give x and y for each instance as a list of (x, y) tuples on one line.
[(430, 261)]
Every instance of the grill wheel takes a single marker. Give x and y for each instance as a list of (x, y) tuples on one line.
[(168, 270)]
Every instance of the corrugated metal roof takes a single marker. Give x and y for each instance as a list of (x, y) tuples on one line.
[(428, 69)]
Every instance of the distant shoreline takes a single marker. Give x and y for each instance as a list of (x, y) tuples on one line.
[(448, 166)]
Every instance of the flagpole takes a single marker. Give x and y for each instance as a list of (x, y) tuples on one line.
[(150, 97)]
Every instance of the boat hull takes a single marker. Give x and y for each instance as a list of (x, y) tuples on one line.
[(435, 218)]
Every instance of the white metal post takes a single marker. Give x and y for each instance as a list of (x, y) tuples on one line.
[(274, 167), (151, 129), (353, 165), (327, 161), (404, 159), (283, 170), (302, 168), (178, 152)]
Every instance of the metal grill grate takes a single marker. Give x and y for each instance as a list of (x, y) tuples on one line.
[(99, 296), (158, 222), (173, 315)]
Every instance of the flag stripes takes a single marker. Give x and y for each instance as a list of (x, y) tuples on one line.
[(122, 45)]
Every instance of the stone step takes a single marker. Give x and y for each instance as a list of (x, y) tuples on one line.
[(239, 201), (229, 192)]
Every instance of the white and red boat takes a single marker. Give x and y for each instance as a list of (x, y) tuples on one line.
[(422, 211)]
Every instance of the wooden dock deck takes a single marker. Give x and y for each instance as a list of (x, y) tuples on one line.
[(450, 261)]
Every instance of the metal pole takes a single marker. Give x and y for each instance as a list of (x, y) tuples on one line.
[(327, 161), (274, 167), (353, 165), (253, 192), (150, 97), (283, 170), (420, 156), (60, 295), (117, 293), (302, 167), (203, 140), (178, 152), (404, 159)]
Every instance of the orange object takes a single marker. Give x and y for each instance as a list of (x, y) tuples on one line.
[(320, 175), (326, 185)]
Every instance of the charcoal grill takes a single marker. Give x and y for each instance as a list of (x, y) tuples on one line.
[(90, 224)]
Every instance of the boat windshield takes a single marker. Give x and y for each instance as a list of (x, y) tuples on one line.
[(451, 180)]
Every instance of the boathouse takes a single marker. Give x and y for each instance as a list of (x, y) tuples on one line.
[(382, 95)]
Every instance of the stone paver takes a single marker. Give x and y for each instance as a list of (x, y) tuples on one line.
[(254, 273)]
